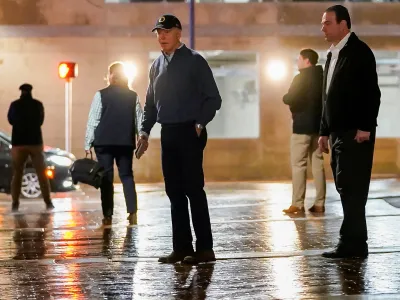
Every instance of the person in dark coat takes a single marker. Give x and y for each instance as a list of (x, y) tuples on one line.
[(26, 115), (351, 105)]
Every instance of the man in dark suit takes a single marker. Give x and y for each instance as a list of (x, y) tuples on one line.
[(351, 105)]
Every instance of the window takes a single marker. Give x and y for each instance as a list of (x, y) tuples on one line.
[(236, 74), (388, 68)]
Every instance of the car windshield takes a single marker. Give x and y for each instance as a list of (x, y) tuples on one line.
[(5, 136)]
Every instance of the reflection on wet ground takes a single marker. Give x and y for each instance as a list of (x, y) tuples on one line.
[(261, 253)]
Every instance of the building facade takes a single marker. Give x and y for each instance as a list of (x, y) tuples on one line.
[(251, 47)]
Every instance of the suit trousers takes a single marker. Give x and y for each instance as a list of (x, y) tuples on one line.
[(351, 164)]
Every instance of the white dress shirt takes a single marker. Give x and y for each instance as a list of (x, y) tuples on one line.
[(335, 54)]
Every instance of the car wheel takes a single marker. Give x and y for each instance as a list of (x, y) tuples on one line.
[(30, 187)]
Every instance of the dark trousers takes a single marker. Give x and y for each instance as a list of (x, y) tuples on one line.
[(351, 165), (123, 156), (182, 165)]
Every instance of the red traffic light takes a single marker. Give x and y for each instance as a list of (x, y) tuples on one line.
[(67, 70)]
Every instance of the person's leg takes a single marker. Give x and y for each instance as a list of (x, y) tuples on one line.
[(19, 156), (36, 154), (106, 160), (171, 155), (353, 174), (193, 181), (318, 171), (124, 160), (299, 148)]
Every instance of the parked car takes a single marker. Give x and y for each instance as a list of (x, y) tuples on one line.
[(58, 163)]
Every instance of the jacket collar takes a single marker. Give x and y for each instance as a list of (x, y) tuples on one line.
[(176, 51), (311, 69), (336, 49), (352, 40)]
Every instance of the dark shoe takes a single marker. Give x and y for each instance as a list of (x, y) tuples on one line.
[(294, 210), (200, 257), (49, 206), (340, 252), (174, 257), (14, 206), (132, 218), (107, 221), (317, 209)]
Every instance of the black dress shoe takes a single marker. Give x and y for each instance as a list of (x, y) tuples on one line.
[(174, 257), (341, 253), (200, 257)]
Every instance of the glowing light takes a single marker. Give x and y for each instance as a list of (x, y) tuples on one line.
[(63, 70), (67, 70), (50, 174), (130, 70), (276, 69)]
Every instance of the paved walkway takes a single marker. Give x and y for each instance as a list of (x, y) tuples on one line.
[(261, 253)]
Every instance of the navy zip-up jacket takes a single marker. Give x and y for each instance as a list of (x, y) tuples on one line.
[(180, 90)]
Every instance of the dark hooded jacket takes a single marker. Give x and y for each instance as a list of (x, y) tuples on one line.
[(26, 115), (305, 100)]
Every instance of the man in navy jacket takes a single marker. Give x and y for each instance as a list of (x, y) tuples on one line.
[(183, 97)]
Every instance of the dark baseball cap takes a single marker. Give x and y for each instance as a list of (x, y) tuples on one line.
[(26, 87), (167, 22)]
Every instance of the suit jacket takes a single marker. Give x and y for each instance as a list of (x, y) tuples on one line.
[(353, 99)]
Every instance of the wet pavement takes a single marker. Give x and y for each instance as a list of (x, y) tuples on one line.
[(261, 253)]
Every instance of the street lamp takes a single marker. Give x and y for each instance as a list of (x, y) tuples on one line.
[(68, 71), (130, 71), (276, 69)]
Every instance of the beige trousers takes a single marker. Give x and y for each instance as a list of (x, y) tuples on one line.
[(304, 148), (20, 155)]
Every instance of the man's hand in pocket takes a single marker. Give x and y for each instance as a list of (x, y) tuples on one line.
[(362, 136)]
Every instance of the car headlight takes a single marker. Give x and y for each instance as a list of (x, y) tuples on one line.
[(60, 160)]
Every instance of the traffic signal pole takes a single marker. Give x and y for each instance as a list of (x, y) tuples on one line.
[(68, 71), (68, 114)]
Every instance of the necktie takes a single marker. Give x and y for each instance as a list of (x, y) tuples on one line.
[(328, 62)]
